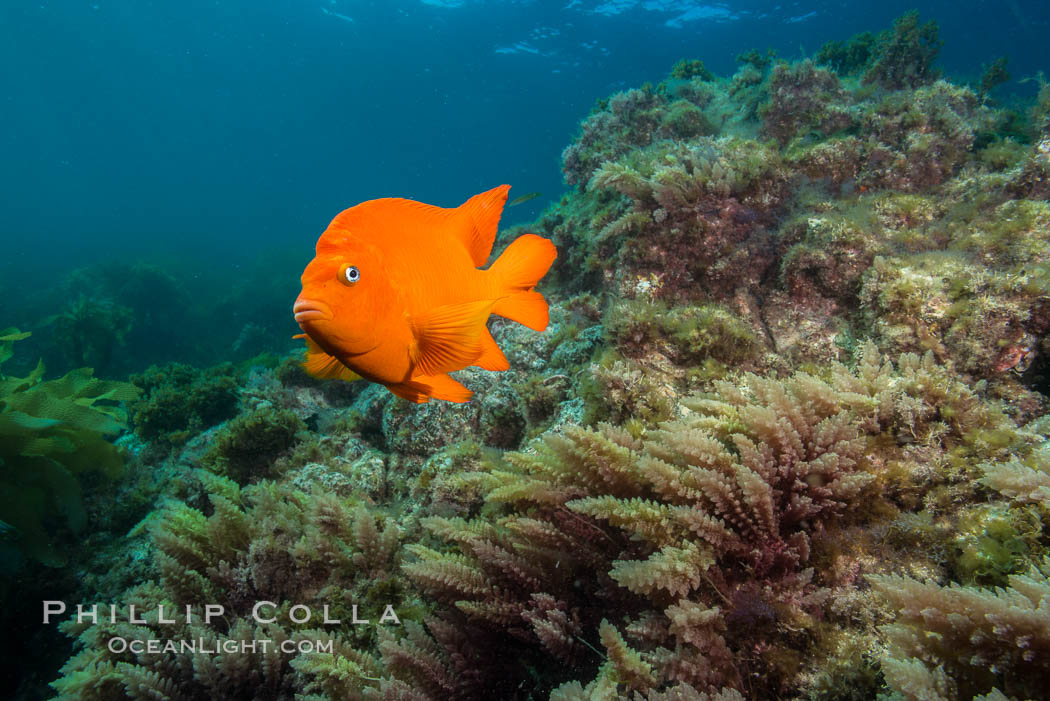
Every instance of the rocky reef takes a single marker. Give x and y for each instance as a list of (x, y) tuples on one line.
[(785, 437)]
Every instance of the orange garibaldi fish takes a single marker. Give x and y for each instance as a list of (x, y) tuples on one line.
[(395, 294)]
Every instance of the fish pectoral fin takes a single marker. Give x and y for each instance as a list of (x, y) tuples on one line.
[(492, 357), (439, 387), (449, 337), (325, 367)]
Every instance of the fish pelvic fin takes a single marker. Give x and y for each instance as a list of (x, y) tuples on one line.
[(481, 214), (492, 357), (449, 337), (323, 366), (439, 386), (516, 272)]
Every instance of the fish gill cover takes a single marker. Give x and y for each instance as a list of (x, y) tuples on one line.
[(785, 436)]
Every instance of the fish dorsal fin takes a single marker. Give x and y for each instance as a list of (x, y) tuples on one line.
[(325, 367), (448, 338), (474, 223), (482, 213)]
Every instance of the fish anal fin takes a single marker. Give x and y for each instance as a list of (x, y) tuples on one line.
[(413, 393), (422, 388), (492, 357), (325, 367), (449, 337), (481, 214), (440, 386)]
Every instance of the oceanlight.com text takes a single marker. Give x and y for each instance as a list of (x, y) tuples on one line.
[(153, 646)]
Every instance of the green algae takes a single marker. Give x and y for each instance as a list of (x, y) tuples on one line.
[(694, 333), (903, 56), (88, 330), (996, 541), (848, 57), (180, 400), (695, 68), (246, 449), (54, 433)]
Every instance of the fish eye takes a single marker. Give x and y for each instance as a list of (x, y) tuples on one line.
[(349, 274)]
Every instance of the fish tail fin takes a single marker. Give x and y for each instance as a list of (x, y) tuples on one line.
[(483, 211), (515, 273), (422, 388), (527, 308), (526, 260)]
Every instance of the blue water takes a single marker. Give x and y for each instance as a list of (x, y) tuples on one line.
[(213, 129)]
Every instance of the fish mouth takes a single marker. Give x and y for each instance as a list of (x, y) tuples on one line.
[(310, 310)]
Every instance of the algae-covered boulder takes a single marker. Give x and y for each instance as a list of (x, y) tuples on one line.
[(179, 400), (51, 432), (246, 449)]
